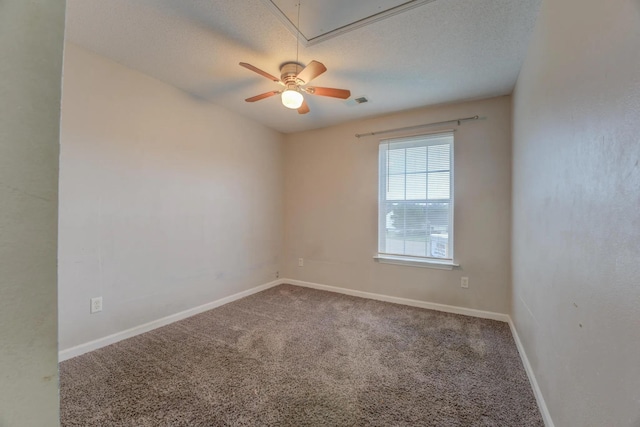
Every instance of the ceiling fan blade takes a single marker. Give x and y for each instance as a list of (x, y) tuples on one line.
[(259, 71), (329, 91), (304, 108), (311, 71), (262, 96)]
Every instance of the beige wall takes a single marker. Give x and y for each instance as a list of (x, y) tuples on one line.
[(166, 202), (576, 210), (31, 43), (331, 188)]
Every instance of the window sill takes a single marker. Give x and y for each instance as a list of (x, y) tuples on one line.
[(415, 262)]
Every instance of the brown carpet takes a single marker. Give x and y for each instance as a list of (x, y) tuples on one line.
[(292, 356)]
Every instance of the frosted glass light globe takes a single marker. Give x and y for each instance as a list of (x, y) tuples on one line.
[(292, 99)]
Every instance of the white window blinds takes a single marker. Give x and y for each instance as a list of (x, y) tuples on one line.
[(416, 197)]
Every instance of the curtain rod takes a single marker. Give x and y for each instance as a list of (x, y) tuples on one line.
[(459, 121)]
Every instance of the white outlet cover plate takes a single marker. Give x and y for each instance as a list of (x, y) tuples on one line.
[(96, 305)]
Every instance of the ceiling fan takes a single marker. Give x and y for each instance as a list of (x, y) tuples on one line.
[(294, 78)]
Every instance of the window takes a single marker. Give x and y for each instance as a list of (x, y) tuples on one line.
[(416, 199)]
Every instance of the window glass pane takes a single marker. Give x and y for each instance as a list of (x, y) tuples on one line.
[(438, 185), (396, 162), (389, 212), (438, 217), (416, 232), (439, 246), (398, 218), (395, 244), (417, 186), (439, 157), (395, 228), (416, 159), (395, 190), (415, 216), (416, 247)]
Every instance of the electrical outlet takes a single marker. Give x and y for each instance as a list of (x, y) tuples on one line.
[(96, 305), (300, 262), (464, 282), (277, 274)]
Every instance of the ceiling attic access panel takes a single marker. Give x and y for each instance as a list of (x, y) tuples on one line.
[(324, 19)]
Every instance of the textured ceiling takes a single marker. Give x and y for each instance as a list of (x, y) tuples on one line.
[(323, 19), (443, 51)]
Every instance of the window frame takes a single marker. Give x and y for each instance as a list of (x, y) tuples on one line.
[(420, 140)]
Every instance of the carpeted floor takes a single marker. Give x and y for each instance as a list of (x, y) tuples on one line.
[(292, 356)]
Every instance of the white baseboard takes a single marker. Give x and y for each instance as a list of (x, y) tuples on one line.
[(404, 301), (119, 336), (128, 333), (546, 416)]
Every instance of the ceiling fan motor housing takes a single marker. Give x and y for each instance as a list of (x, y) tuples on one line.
[(289, 73)]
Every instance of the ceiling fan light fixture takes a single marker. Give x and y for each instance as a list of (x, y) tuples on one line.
[(292, 99), (293, 79)]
